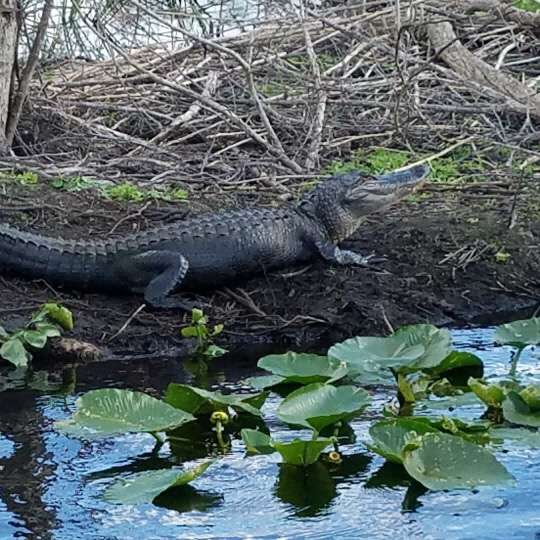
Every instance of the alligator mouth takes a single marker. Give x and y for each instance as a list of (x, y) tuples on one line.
[(395, 180)]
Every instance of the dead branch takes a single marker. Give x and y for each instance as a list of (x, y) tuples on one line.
[(469, 67)]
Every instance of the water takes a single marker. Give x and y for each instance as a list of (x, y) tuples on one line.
[(50, 485)]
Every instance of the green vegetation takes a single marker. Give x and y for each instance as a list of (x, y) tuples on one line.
[(528, 5), (322, 394), (24, 178), (460, 164), (49, 321), (204, 336)]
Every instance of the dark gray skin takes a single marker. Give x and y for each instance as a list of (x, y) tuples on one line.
[(209, 250)]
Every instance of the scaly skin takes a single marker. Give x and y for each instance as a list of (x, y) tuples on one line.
[(206, 251)]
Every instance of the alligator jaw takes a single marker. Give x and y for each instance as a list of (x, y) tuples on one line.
[(378, 192), (397, 181)]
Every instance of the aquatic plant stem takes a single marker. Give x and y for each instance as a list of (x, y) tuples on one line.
[(514, 362), (219, 435)]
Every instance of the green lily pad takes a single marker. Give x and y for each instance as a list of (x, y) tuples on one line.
[(411, 348), (516, 411), (106, 412), (441, 461), (257, 442), (389, 437), (458, 366), (491, 394), (146, 486), (519, 333), (199, 401), (435, 341), (521, 436), (302, 453), (319, 405), (370, 358), (264, 381), (531, 396), (303, 368)]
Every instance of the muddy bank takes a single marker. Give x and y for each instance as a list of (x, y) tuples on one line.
[(451, 259)]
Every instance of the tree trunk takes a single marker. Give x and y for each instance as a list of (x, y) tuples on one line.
[(8, 42)]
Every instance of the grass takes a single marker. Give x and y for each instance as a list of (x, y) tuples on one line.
[(126, 191), (457, 166), (528, 5)]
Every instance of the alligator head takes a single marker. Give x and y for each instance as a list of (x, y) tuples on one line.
[(340, 202)]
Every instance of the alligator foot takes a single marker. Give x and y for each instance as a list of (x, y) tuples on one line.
[(334, 254), (169, 269)]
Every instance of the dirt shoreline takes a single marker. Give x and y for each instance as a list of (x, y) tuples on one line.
[(451, 259)]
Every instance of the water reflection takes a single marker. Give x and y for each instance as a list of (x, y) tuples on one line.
[(393, 476), (27, 470), (311, 489)]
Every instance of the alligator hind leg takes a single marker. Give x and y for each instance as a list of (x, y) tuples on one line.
[(166, 271)]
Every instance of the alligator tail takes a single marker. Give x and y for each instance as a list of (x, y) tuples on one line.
[(58, 261)]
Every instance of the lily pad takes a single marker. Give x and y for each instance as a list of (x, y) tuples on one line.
[(199, 401), (519, 333), (521, 436), (106, 412), (491, 394), (257, 442), (531, 396), (264, 381), (302, 453), (319, 405), (458, 366), (435, 341), (303, 368), (146, 486), (370, 358), (411, 348), (389, 437), (516, 411), (441, 461)]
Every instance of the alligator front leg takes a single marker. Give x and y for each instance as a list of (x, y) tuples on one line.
[(333, 253), (165, 271)]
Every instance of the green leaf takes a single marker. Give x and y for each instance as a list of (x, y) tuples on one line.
[(302, 368), (106, 412), (264, 381), (3, 333), (519, 333), (257, 442), (436, 343), (199, 401), (34, 338), (48, 329), (189, 332), (531, 396), (302, 453), (146, 486), (444, 461), (491, 394), (319, 405), (522, 436), (389, 437), (368, 357), (458, 366), (57, 314), (214, 351), (13, 351), (516, 411)]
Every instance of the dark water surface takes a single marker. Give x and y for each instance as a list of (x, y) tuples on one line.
[(50, 485)]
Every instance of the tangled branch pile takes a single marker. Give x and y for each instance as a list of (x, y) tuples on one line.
[(266, 108)]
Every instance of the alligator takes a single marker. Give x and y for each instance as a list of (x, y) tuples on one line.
[(209, 250)]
